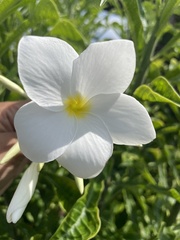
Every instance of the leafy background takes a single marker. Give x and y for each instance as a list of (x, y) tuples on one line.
[(137, 196)]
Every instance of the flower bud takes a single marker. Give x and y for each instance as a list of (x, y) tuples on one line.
[(23, 193)]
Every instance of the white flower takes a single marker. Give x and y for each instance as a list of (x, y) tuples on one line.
[(23, 193), (78, 108)]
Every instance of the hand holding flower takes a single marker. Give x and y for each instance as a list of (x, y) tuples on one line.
[(11, 169)]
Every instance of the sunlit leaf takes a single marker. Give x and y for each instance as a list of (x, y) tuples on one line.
[(102, 2), (175, 194), (83, 221), (159, 90)]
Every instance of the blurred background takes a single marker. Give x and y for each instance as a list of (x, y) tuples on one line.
[(137, 196)]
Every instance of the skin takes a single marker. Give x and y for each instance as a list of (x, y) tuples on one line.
[(10, 170)]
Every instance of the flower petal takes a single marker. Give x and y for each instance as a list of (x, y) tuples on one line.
[(127, 120), (45, 67), (23, 193), (106, 67), (90, 150), (43, 135)]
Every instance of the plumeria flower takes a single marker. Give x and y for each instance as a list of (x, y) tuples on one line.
[(78, 108), (23, 193)]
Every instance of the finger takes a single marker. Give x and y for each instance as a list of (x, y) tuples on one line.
[(10, 170), (7, 113), (7, 140)]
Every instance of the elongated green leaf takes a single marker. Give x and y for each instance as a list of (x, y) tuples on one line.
[(8, 6), (175, 194), (147, 175), (166, 47), (166, 13), (171, 129), (159, 90), (148, 51), (133, 14), (83, 221)]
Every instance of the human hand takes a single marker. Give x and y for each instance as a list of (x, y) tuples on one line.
[(11, 169)]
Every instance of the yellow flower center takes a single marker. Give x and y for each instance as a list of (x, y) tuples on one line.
[(77, 105)]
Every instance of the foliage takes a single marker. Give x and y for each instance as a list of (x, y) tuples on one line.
[(141, 194)]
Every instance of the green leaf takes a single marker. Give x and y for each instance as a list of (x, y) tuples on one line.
[(83, 221), (14, 36), (167, 46), (150, 46), (46, 11), (148, 176), (175, 194), (166, 13), (133, 14), (159, 90), (8, 6), (67, 31), (171, 129), (67, 191), (37, 237)]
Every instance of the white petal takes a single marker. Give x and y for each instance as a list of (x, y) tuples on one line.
[(43, 135), (105, 67), (127, 120), (45, 67), (23, 193), (90, 150)]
